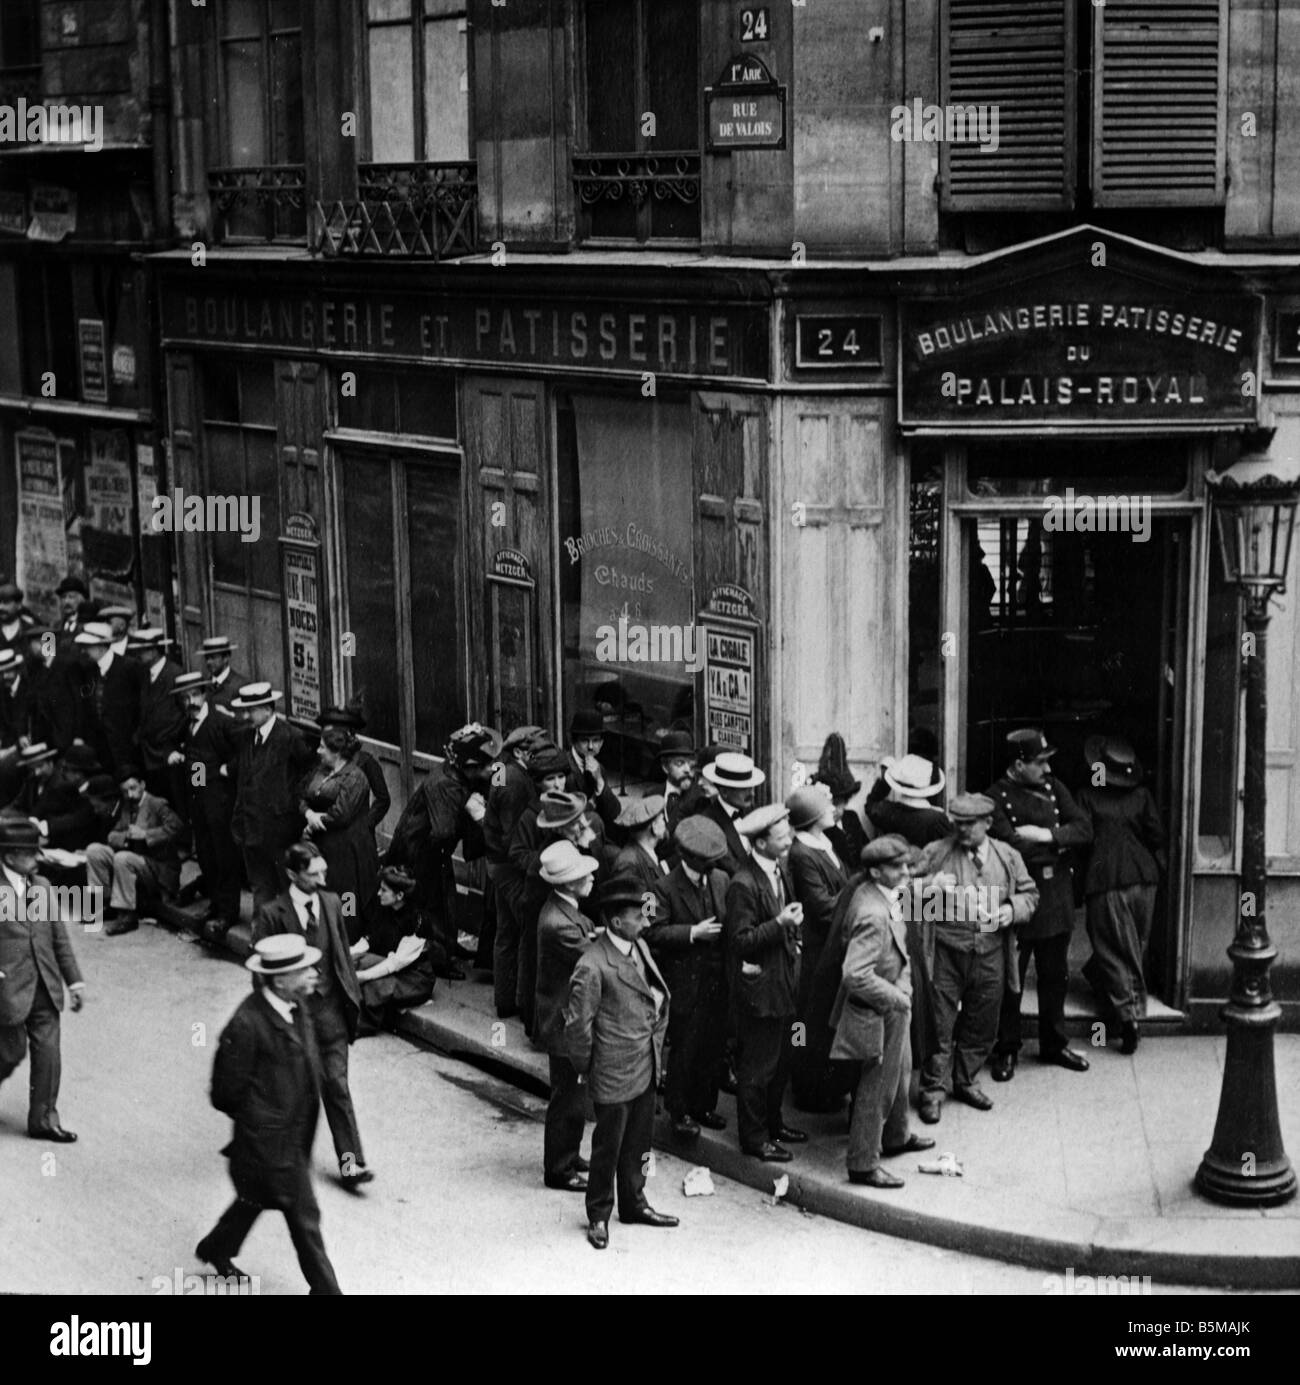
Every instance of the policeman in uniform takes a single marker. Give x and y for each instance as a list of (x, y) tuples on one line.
[(1034, 812)]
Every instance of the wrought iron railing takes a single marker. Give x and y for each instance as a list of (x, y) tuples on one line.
[(648, 195), (266, 201), (406, 210)]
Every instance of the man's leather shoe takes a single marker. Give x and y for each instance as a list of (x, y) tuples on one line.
[(875, 1178), (357, 1177), (710, 1120), (1129, 1036), (226, 1268), (686, 1129), (973, 1096), (1003, 1067), (56, 1134), (770, 1153), (123, 923), (928, 1109), (580, 1165), (789, 1136), (728, 1082), (914, 1144), (450, 973), (598, 1234), (647, 1216), (1065, 1058), (567, 1183)]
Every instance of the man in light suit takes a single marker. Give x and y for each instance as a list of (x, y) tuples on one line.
[(140, 853), (36, 960), (615, 1021), (564, 933), (872, 1011), (308, 909)]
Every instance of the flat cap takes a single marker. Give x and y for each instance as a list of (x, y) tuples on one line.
[(885, 851), (762, 820), (700, 838), (638, 811), (966, 807)]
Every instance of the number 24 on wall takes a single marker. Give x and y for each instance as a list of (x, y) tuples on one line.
[(754, 25)]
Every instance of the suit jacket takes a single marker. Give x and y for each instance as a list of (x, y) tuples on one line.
[(222, 696), (762, 955), (266, 1078), (214, 746), (60, 707), (59, 804), (874, 976), (605, 802), (382, 800), (279, 916), (612, 1031), (163, 830), (681, 905), (736, 853), (28, 950), (631, 860), (114, 703), (266, 782), (563, 935), (162, 718), (506, 802)]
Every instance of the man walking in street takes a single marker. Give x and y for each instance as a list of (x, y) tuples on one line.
[(36, 961), (307, 909), (615, 1021), (266, 1078)]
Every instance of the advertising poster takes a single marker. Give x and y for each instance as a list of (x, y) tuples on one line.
[(42, 553)]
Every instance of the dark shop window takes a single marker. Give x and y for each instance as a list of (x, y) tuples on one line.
[(416, 403)]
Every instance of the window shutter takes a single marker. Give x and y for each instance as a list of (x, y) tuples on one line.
[(1017, 57), (1158, 103)]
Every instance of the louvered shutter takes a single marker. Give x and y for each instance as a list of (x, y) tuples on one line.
[(1159, 103), (1016, 56)]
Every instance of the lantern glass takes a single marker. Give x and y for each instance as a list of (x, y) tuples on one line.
[(1256, 540)]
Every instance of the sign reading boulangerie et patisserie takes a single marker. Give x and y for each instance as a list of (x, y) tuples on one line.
[(1089, 348)]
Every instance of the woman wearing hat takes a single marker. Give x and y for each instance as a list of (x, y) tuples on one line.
[(335, 799), (1124, 870), (397, 955), (848, 835)]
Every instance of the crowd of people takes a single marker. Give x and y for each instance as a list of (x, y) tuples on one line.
[(695, 939)]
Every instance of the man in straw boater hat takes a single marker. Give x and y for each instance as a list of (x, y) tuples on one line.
[(734, 777), (267, 1078), (272, 758), (615, 1021), (1035, 813), (36, 961), (162, 718), (111, 692), (974, 889), (216, 652), (119, 619)]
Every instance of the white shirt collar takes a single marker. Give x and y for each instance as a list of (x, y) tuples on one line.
[(18, 882), (156, 668), (623, 944), (105, 660), (221, 677), (693, 875), (278, 1003), (196, 722), (264, 731), (771, 868), (119, 646), (301, 902), (569, 899)]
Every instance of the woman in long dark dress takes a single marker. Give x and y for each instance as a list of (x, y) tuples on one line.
[(1124, 869), (335, 800), (399, 953)]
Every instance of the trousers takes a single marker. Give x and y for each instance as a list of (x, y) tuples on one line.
[(1119, 924), (266, 877), (879, 1114), (332, 1041), (697, 1038), (125, 872), (505, 948), (566, 1117), (219, 858), (1051, 962), (966, 999), (41, 1030), (619, 1146), (762, 1069)]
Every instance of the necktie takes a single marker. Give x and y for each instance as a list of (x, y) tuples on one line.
[(310, 907), (637, 962)]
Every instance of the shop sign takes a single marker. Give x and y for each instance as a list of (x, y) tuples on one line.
[(837, 341), (13, 213), (124, 365), (91, 356), (745, 108), (509, 565), (301, 572), (1080, 348), (42, 558), (146, 484), (731, 600), (717, 342), (729, 687), (54, 212)]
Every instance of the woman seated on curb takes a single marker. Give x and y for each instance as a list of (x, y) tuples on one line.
[(398, 954)]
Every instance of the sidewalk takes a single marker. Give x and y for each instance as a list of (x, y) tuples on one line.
[(1090, 1171)]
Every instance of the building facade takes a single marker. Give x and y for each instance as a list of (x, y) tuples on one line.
[(793, 339)]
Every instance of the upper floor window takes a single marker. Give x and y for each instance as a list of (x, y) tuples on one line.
[(1065, 102), (418, 69), (20, 47), (639, 177)]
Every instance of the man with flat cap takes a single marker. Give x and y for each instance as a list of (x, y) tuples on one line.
[(1034, 812), (267, 1078), (646, 825), (36, 961), (686, 941), (762, 941), (872, 1012), (615, 1021), (973, 890), (216, 653)]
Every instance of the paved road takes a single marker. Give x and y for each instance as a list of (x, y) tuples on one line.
[(457, 1207)]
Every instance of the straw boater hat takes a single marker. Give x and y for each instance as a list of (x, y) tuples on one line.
[(255, 695), (281, 954), (562, 863), (187, 682), (914, 777), (10, 660), (121, 612), (36, 754), (217, 644), (639, 811), (147, 638), (95, 632), (732, 770)]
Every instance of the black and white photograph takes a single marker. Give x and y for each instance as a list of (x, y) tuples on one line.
[(650, 647)]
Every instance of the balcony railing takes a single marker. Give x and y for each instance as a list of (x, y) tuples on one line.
[(259, 202), (642, 196), (404, 211)]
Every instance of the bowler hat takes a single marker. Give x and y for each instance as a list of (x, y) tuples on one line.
[(807, 805), (81, 757), (762, 820), (128, 771), (72, 584), (884, 851), (17, 832), (1119, 762), (970, 807), (914, 777), (732, 770), (624, 890), (701, 839), (586, 722), (282, 953), (100, 786), (255, 695), (10, 591), (562, 863), (677, 745), (639, 811), (560, 809), (1028, 744), (36, 754), (94, 632)]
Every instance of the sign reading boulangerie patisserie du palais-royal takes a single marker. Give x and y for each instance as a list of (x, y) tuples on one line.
[(1080, 347)]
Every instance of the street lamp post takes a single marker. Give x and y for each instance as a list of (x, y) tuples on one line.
[(1246, 1165)]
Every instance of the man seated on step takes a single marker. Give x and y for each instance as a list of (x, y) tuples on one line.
[(140, 852)]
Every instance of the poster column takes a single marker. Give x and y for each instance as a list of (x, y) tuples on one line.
[(300, 558)]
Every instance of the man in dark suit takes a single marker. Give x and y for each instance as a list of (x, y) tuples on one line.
[(36, 960), (112, 697), (564, 933), (56, 707), (734, 777), (14, 620), (162, 718), (586, 775), (50, 794), (615, 1021), (762, 940), (74, 599), (216, 653), (272, 758), (677, 761), (871, 1014), (308, 909), (686, 940), (266, 1078), (646, 825), (208, 749)]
